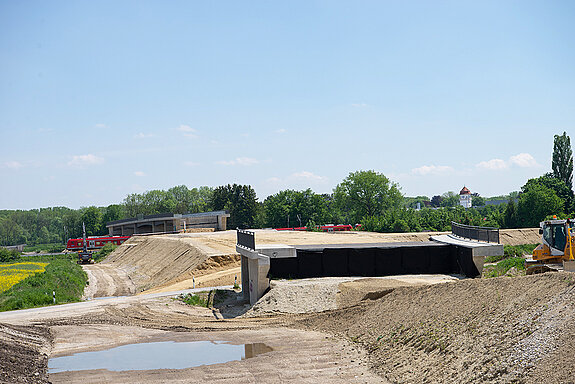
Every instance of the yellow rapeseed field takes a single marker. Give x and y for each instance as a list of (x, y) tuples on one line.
[(11, 274)]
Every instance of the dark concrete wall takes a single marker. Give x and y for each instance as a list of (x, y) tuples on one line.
[(387, 261)]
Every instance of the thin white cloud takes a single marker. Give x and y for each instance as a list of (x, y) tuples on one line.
[(188, 131), (13, 165), (100, 125), (305, 175), (274, 180), (432, 170), (281, 130), (244, 161), (140, 173), (84, 160), (493, 164), (143, 135), (523, 160), (191, 164)]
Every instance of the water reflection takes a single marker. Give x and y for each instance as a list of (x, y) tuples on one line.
[(157, 355)]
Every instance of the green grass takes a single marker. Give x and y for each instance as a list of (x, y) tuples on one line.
[(206, 299), (512, 251), (62, 276), (45, 248), (196, 300), (103, 252), (502, 267)]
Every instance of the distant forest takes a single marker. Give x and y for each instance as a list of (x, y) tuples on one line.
[(364, 197)]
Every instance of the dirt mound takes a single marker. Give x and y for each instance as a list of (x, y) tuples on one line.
[(476, 330), (519, 236), (23, 354), (156, 261), (329, 293)]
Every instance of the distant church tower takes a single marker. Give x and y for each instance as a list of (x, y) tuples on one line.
[(465, 198)]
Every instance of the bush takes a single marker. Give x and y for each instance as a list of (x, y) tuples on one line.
[(510, 251), (504, 266), (7, 255), (104, 252)]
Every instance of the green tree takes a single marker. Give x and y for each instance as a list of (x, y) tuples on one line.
[(436, 201), (92, 219), (295, 208), (562, 163), (240, 201), (537, 203), (112, 212), (182, 197), (555, 184), (510, 217), (449, 199), (478, 201), (366, 193)]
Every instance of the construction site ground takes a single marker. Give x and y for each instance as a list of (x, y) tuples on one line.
[(400, 329)]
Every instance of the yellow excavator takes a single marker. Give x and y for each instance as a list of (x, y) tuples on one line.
[(557, 249)]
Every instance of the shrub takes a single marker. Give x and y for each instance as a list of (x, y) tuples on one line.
[(104, 252), (7, 255)]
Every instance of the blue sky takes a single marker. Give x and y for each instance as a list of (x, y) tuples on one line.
[(102, 99)]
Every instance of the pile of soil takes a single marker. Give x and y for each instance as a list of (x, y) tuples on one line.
[(24, 354), (498, 330), (160, 261), (329, 293)]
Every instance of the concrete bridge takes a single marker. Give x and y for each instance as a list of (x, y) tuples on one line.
[(445, 254), (168, 223)]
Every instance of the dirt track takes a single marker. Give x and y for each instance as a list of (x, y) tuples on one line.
[(104, 280)]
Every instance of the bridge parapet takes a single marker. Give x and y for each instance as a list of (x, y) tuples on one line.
[(486, 234)]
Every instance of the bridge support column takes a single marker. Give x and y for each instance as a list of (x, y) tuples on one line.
[(255, 268)]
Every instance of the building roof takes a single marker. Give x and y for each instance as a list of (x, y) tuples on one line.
[(465, 191)]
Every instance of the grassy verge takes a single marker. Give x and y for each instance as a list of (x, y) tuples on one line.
[(504, 266), (206, 299), (62, 275), (512, 251), (45, 248)]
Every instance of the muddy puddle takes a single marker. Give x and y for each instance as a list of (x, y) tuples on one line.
[(157, 355)]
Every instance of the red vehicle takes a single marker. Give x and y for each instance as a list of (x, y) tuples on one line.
[(324, 228), (94, 242)]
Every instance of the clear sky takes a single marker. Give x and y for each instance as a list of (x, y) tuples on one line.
[(100, 99)]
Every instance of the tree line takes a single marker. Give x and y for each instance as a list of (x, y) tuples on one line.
[(368, 198)]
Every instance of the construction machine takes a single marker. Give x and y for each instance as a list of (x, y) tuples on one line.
[(85, 256), (557, 249)]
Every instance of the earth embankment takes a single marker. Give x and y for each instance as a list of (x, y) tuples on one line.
[(159, 261), (499, 330), (174, 262)]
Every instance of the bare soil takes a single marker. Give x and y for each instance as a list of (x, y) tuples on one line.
[(104, 280), (436, 329)]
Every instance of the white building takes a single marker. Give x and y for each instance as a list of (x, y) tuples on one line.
[(465, 198)]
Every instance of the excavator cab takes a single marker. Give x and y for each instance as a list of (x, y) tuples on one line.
[(556, 246), (555, 236)]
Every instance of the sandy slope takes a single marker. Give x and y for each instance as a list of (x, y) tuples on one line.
[(169, 262)]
